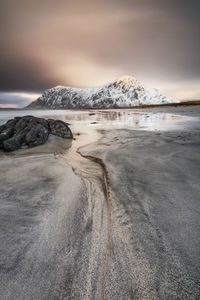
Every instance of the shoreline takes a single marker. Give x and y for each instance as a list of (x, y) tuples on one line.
[(142, 106)]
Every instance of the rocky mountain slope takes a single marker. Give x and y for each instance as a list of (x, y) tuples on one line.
[(123, 92)]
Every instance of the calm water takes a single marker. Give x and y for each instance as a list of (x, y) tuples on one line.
[(135, 119)]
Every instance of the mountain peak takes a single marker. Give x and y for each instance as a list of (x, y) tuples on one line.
[(127, 79)]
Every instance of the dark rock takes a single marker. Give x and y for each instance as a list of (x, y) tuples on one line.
[(37, 135), (30, 131), (13, 143), (22, 123), (59, 128), (6, 134), (6, 131), (30, 121), (9, 124)]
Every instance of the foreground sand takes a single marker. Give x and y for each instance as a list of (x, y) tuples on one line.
[(57, 238)]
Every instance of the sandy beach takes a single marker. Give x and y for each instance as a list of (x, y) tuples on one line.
[(113, 214)]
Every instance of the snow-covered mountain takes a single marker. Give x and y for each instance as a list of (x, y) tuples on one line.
[(123, 92)]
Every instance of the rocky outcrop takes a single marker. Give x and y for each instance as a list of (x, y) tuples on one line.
[(30, 131)]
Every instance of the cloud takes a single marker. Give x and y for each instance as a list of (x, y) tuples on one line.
[(16, 99), (85, 43)]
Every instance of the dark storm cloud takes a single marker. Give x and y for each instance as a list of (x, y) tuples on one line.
[(20, 73), (83, 43)]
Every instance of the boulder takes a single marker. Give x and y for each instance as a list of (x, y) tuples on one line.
[(13, 143), (29, 121), (30, 131), (59, 128), (36, 136), (7, 130), (6, 134)]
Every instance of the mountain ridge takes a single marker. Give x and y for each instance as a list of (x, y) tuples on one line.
[(125, 91)]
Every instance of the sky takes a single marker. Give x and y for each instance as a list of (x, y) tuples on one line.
[(84, 43)]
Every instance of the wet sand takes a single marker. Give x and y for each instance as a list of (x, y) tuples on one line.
[(155, 240), (61, 239)]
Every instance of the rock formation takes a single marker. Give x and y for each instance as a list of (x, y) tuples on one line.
[(30, 131)]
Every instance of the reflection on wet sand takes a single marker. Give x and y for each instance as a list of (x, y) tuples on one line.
[(130, 118), (124, 119)]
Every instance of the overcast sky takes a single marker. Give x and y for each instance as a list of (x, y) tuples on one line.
[(91, 42)]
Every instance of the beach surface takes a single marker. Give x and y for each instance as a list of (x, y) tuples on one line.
[(113, 214)]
